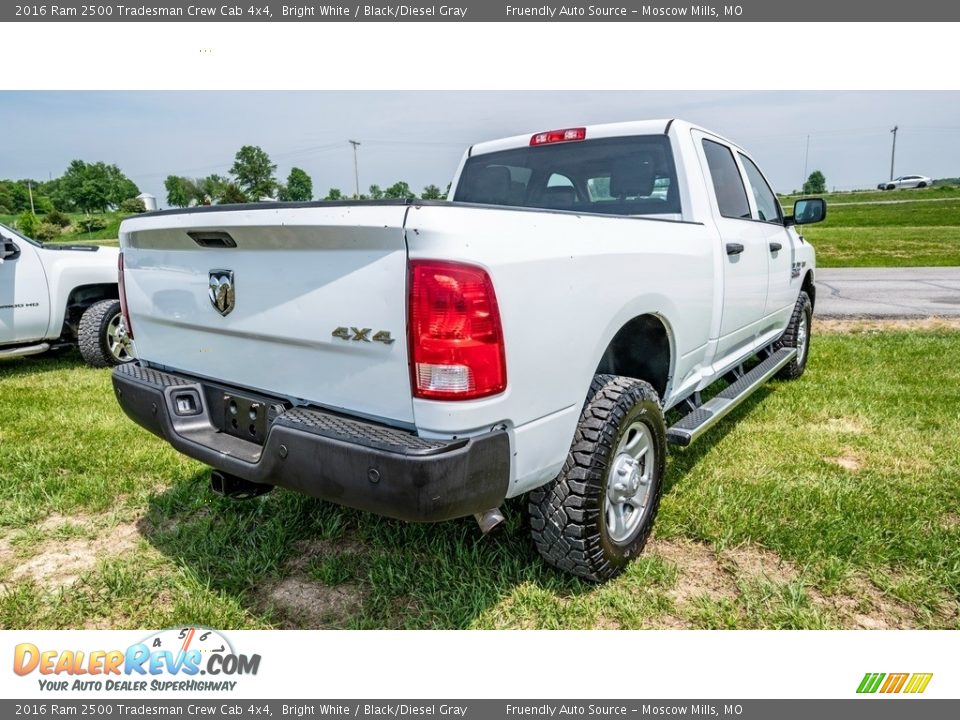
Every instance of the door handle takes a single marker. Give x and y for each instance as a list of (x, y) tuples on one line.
[(734, 248), (775, 247)]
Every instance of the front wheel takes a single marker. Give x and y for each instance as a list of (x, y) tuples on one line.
[(102, 336), (597, 514), (797, 335)]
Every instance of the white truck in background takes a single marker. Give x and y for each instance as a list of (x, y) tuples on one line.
[(56, 296), (426, 359)]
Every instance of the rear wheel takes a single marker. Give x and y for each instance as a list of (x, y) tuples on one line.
[(921, 185), (797, 335), (597, 514), (102, 336)]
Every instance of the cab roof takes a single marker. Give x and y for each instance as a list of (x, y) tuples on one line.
[(633, 127)]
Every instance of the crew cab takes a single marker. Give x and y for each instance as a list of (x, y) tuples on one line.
[(57, 296), (426, 360)]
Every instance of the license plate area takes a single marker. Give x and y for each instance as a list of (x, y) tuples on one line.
[(248, 418)]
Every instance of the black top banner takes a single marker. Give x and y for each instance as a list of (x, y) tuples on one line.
[(485, 11)]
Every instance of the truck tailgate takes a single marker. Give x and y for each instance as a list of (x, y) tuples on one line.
[(298, 274)]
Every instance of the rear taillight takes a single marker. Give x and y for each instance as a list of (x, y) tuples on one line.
[(557, 136), (456, 340), (123, 298)]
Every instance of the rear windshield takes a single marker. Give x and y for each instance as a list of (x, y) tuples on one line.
[(616, 176)]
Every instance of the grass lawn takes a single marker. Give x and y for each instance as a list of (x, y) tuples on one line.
[(888, 229), (885, 246), (836, 198), (833, 501)]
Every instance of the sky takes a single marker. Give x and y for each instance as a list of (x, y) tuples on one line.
[(420, 136)]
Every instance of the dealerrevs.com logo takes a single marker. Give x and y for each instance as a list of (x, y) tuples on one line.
[(179, 659)]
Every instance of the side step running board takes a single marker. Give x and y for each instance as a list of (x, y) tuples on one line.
[(693, 425), (23, 351)]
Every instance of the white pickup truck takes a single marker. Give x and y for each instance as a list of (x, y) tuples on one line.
[(425, 360), (55, 296)]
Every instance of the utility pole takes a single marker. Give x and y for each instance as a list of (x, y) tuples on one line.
[(356, 171), (806, 157), (30, 192), (893, 151)]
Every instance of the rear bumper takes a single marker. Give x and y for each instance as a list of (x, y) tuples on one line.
[(343, 460)]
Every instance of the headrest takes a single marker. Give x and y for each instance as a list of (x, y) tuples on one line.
[(632, 176), (559, 196), (492, 185)]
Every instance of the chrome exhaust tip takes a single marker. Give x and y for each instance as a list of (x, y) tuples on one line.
[(489, 520)]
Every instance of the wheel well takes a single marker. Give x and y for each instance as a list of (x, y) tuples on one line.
[(810, 289), (80, 299), (641, 350)]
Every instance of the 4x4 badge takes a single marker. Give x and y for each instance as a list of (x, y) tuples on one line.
[(222, 294), (363, 334)]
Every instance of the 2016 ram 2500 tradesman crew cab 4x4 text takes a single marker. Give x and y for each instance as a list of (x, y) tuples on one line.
[(425, 360)]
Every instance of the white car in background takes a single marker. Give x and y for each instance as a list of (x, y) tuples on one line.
[(906, 181)]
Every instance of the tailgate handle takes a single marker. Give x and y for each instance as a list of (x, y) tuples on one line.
[(734, 248), (212, 239)]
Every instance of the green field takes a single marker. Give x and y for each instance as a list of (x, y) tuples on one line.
[(73, 234), (856, 196), (830, 502), (888, 229)]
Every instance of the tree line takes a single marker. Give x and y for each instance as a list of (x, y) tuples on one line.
[(252, 178), (98, 187), (83, 187)]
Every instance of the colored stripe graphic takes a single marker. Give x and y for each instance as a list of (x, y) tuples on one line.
[(870, 682), (894, 683), (918, 682)]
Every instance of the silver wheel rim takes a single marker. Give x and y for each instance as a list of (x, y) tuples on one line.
[(118, 342), (802, 336), (629, 483)]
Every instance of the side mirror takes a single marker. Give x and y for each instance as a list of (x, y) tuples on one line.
[(807, 211), (10, 251)]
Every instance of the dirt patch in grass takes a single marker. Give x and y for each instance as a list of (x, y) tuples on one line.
[(841, 425), (704, 574), (848, 461), (950, 521), (56, 562), (863, 606), (303, 602), (750, 563), (855, 325), (699, 571)]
